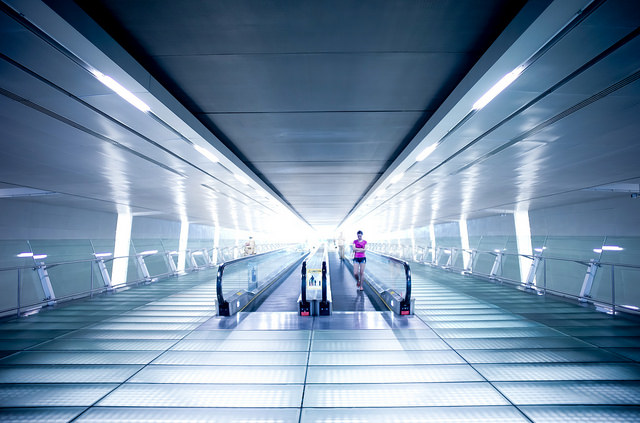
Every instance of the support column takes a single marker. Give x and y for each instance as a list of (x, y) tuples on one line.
[(50, 296), (587, 283), (182, 245), (121, 249)]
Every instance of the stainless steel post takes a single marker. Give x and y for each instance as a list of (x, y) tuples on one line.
[(19, 289), (544, 271), (91, 289), (613, 289)]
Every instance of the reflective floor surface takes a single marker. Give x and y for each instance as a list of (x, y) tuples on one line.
[(474, 352)]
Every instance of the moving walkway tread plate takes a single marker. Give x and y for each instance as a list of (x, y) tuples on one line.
[(402, 395), (482, 414), (40, 414), (262, 358), (279, 335), (540, 355), (383, 358), (559, 371), (126, 334), (498, 333), (241, 345), (81, 357), (105, 345), (391, 334), (221, 374), (378, 345), (571, 392), (582, 413), (204, 395), (111, 373), (393, 374), (175, 414), (516, 343), (50, 395)]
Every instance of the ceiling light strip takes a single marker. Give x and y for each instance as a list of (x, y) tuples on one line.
[(87, 67), (580, 16)]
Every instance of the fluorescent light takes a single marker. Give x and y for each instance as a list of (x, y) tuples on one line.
[(597, 250), (497, 88), (121, 91), (241, 178), (206, 153), (103, 254), (25, 255), (148, 253), (39, 256), (632, 307), (612, 248), (426, 152), (397, 178)]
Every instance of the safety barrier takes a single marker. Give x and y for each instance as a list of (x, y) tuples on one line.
[(243, 280), (315, 287), (589, 281)]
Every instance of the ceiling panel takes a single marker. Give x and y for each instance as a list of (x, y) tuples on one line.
[(293, 82)]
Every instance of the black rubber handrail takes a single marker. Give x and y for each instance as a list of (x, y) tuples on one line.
[(303, 282), (405, 304), (324, 281), (222, 303)]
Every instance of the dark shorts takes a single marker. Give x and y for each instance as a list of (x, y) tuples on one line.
[(360, 259)]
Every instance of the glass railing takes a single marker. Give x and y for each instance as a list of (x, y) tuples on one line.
[(387, 282), (39, 280), (579, 273), (242, 280)]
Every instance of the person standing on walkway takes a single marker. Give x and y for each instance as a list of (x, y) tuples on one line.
[(340, 244), (359, 260)]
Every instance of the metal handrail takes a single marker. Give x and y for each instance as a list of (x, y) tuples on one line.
[(41, 264), (222, 303), (324, 281), (529, 256), (303, 279), (303, 282), (405, 304), (544, 259)]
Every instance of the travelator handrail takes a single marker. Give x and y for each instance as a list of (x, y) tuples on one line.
[(405, 303), (225, 308)]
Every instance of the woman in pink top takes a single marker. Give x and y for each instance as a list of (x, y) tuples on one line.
[(359, 260)]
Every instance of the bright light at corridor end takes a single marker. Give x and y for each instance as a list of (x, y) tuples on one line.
[(498, 88), (121, 91)]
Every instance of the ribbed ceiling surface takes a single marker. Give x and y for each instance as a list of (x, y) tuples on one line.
[(318, 98), (322, 106)]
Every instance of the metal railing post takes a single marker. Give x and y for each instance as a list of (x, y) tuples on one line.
[(613, 289), (91, 273), (544, 275), (19, 289)]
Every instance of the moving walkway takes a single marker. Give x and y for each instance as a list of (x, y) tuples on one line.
[(245, 283)]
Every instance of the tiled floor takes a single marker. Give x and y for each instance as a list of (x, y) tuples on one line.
[(474, 352)]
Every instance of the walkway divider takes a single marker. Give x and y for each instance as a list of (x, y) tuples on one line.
[(246, 281), (315, 285), (387, 282)]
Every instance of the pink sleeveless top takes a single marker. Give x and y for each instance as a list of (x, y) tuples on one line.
[(359, 244)]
